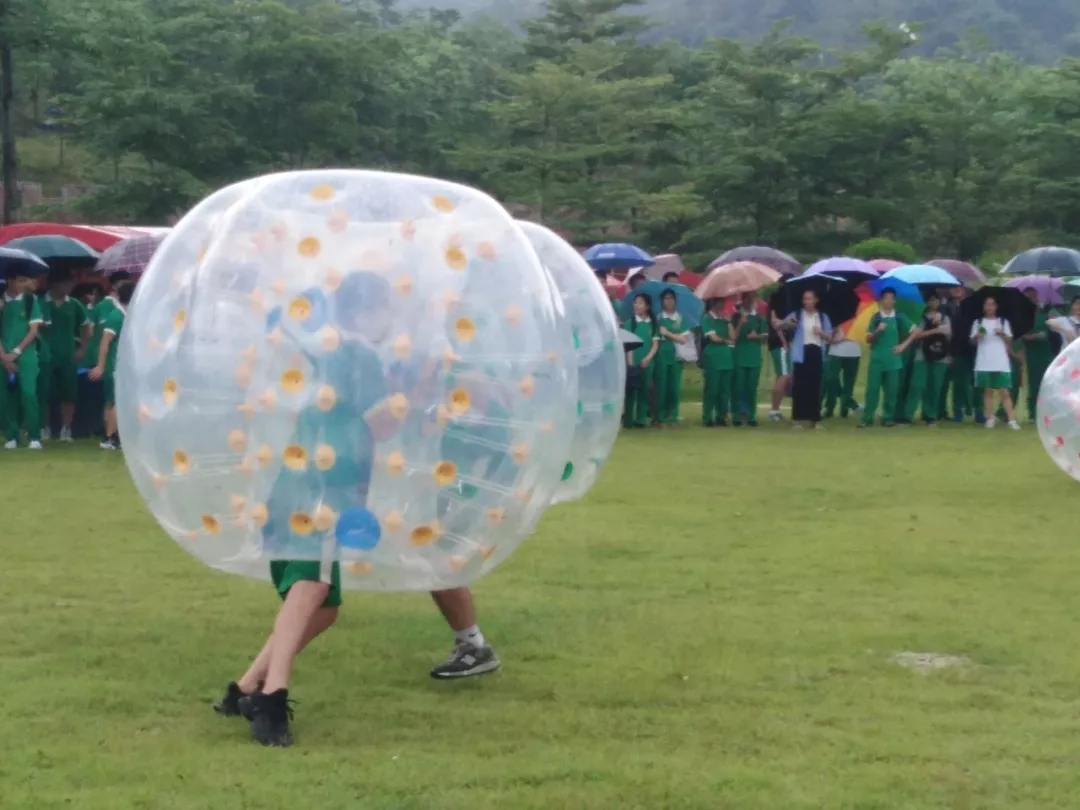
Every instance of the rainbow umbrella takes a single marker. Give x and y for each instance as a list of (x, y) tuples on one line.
[(909, 302)]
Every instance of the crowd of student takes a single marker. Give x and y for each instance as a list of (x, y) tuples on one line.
[(918, 371), (50, 334)]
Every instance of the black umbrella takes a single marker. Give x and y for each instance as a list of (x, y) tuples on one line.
[(770, 257), (1058, 262), (1013, 306), (836, 297)]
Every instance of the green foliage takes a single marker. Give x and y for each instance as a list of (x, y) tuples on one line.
[(582, 118), (879, 248)]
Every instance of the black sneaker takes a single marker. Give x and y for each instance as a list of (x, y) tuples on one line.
[(232, 705), (466, 661), (270, 716)]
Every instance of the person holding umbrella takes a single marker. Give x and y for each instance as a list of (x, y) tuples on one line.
[(668, 367), (67, 337), (1038, 351), (718, 364), (889, 335), (812, 332), (753, 331), (961, 364), (930, 363), (20, 320), (992, 335)]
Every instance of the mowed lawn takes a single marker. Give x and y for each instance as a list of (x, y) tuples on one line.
[(715, 626)]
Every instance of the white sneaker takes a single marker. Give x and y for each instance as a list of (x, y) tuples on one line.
[(46, 434), (12, 445), (1014, 425), (65, 435), (107, 445), (991, 423), (34, 446), (775, 416)]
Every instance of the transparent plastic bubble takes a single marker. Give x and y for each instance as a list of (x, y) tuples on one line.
[(348, 366), (601, 360), (1058, 410)]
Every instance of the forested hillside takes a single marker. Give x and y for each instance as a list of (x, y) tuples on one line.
[(575, 120), (1038, 30)]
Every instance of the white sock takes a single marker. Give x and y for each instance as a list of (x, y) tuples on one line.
[(471, 635)]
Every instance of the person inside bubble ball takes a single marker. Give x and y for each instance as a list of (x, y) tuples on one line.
[(311, 589)]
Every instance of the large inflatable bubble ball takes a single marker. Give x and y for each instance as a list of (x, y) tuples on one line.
[(1058, 411), (600, 358), (348, 366)]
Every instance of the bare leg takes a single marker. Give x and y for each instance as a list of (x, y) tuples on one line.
[(67, 414), (988, 403), (778, 392), (110, 421), (456, 606), (256, 674), (302, 603)]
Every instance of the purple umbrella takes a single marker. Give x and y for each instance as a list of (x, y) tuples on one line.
[(967, 273), (131, 255), (854, 270), (779, 261), (1048, 289)]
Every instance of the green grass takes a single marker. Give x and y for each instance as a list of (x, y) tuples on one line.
[(713, 627)]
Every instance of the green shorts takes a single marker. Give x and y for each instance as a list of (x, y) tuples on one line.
[(286, 573), (65, 380), (780, 362), (110, 390), (994, 380)]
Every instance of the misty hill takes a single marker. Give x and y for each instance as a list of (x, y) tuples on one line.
[(1037, 30)]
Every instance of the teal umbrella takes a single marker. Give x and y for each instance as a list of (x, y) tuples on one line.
[(59, 252)]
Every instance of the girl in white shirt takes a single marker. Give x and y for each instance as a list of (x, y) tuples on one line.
[(992, 338), (1069, 326)]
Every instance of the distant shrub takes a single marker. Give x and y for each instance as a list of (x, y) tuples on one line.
[(870, 249)]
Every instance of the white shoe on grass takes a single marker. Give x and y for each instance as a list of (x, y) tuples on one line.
[(12, 445), (65, 435), (34, 446), (991, 423), (1014, 425)]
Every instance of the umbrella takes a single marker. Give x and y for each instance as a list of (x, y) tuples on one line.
[(131, 255), (909, 302), (779, 261), (922, 274), (667, 263), (686, 303), (15, 262), (884, 265), (967, 273), (630, 340), (59, 252), (1044, 261), (836, 296), (1013, 306), (1048, 289), (843, 267), (617, 257), (734, 279)]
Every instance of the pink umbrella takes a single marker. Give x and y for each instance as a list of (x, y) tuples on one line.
[(131, 255), (1047, 289), (667, 263), (968, 273), (885, 265), (735, 279)]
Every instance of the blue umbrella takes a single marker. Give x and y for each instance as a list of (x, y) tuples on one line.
[(923, 274), (686, 303), (854, 270), (905, 291), (15, 262), (617, 256)]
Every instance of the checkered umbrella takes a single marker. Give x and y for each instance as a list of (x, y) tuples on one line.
[(130, 256)]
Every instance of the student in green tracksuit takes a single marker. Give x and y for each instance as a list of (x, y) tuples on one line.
[(45, 360), (718, 363), (841, 372), (21, 316), (105, 370), (753, 332), (889, 335), (668, 366), (930, 364), (68, 334), (640, 361), (97, 317), (1038, 352)]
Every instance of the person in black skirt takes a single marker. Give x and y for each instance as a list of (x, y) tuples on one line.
[(811, 332)]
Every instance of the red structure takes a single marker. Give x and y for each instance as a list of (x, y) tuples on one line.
[(99, 237)]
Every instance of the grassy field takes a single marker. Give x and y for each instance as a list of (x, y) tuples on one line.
[(715, 626)]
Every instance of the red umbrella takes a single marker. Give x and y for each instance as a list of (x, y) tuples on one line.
[(885, 265), (968, 273)]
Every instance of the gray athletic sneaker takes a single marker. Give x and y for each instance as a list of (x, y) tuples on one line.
[(466, 661)]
